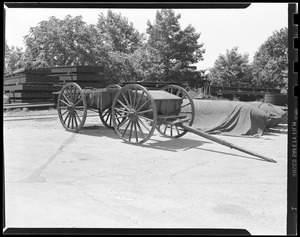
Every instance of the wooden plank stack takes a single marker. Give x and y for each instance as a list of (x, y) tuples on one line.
[(84, 76), (30, 85), (38, 85)]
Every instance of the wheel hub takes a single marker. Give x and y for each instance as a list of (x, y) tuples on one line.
[(133, 115)]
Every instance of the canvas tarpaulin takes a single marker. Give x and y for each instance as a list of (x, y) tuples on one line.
[(229, 118), (276, 114)]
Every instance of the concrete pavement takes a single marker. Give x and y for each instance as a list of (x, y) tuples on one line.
[(54, 178)]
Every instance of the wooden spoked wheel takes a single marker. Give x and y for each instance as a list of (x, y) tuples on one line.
[(187, 111), (105, 113), (72, 107), (134, 114)]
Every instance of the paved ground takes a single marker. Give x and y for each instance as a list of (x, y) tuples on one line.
[(54, 178)]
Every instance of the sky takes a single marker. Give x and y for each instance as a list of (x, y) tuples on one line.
[(220, 29)]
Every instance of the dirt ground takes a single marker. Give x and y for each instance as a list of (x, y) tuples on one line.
[(92, 179)]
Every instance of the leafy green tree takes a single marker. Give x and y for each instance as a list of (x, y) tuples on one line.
[(118, 33), (231, 69), (176, 50), (270, 62), (121, 48), (14, 59), (60, 42)]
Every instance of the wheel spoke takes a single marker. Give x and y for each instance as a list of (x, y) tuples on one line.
[(77, 99), (80, 99), (142, 105), (131, 128), (122, 123), (78, 116), (79, 112), (145, 111), (66, 117), (136, 134), (69, 120), (126, 101), (121, 110), (64, 112), (79, 107), (143, 124), (138, 102), (66, 99), (106, 119), (75, 119), (122, 116), (126, 128), (166, 126), (134, 98), (123, 105), (148, 119), (105, 113), (177, 130), (64, 102), (129, 96), (185, 105), (69, 94), (139, 126), (72, 121)]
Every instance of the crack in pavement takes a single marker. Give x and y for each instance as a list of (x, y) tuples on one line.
[(36, 175), (185, 170), (106, 205)]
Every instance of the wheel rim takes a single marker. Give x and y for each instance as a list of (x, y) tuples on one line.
[(187, 109), (72, 107), (105, 114), (134, 106)]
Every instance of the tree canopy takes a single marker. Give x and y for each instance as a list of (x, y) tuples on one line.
[(118, 33), (231, 69), (60, 42), (14, 59), (176, 50), (166, 52), (270, 62)]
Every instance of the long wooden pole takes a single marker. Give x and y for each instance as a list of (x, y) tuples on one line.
[(223, 142)]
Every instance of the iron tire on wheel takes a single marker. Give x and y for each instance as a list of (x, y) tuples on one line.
[(105, 113), (187, 109), (134, 105), (72, 107)]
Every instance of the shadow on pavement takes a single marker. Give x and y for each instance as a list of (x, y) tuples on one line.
[(167, 144), (230, 154), (171, 144)]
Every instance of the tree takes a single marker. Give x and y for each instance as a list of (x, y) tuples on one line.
[(270, 62), (176, 50), (231, 69), (118, 33), (60, 42), (14, 57), (123, 46)]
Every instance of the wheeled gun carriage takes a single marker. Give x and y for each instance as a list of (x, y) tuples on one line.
[(133, 111)]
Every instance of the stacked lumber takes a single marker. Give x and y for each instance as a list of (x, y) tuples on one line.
[(30, 85), (40, 84), (84, 76)]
